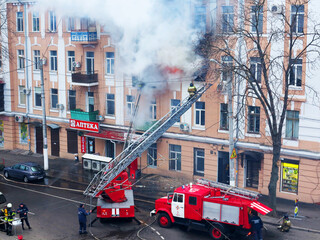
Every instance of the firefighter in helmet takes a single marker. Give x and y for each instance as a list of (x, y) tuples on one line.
[(192, 90), (286, 224), (9, 213)]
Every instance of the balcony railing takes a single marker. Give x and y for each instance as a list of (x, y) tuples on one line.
[(78, 114), (85, 79), (84, 37)]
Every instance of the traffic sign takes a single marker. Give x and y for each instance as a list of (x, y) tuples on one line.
[(234, 154)]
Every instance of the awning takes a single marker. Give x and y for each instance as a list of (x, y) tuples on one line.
[(36, 124), (53, 126), (107, 134)]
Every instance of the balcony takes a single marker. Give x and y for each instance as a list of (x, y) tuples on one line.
[(84, 37), (78, 114), (85, 79)]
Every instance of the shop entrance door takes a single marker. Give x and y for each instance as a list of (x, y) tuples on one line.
[(55, 144), (253, 168), (39, 140), (223, 167)]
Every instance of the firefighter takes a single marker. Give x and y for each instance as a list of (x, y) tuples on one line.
[(286, 224), (9, 213), (192, 90), (256, 225), (23, 212), (82, 215)]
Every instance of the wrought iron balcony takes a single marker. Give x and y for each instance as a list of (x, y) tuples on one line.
[(85, 79), (84, 37)]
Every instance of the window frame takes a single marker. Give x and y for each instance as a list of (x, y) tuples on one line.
[(257, 15), (22, 95), (36, 60), (54, 98), (52, 21), (70, 24), (255, 69), (110, 63), (296, 72), (200, 17), (70, 60), (253, 117), (297, 15), (130, 105), (175, 151), (227, 14), (227, 65), (199, 116), (153, 110), (152, 155), (21, 60), (19, 21), (90, 59), (90, 101), (37, 93), (173, 104), (53, 61), (224, 118), (110, 99), (35, 22), (72, 97), (294, 119), (197, 157)]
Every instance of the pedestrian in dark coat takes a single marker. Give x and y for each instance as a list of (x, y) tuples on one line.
[(256, 225), (23, 212), (82, 215)]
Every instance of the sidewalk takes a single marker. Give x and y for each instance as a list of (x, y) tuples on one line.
[(152, 187)]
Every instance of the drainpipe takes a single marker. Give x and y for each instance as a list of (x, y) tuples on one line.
[(26, 71)]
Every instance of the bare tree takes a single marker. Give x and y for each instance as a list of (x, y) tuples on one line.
[(269, 49)]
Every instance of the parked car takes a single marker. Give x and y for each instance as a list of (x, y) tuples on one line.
[(29, 171)]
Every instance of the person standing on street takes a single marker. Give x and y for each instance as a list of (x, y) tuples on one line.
[(23, 212), (256, 225), (82, 215), (9, 213)]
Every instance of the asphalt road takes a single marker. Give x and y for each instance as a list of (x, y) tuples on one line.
[(55, 217)]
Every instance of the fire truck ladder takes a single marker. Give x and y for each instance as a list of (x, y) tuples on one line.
[(229, 189), (136, 148)]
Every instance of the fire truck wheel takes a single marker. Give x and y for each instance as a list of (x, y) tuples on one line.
[(216, 232), (164, 220)]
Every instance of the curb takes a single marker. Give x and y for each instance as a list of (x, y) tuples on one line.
[(295, 228)]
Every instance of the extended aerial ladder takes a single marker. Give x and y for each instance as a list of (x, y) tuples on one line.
[(137, 147)]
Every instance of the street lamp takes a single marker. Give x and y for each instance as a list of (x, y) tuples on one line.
[(232, 181)]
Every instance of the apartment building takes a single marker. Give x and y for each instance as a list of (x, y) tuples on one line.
[(89, 103)]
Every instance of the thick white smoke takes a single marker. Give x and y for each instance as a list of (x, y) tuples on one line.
[(149, 34)]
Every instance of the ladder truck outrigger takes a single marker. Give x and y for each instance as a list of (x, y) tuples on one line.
[(217, 208), (111, 185)]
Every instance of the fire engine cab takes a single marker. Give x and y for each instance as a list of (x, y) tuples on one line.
[(209, 206)]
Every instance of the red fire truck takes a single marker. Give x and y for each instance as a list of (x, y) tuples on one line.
[(209, 206)]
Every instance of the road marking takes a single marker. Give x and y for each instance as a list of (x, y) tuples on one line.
[(158, 233), (46, 194)]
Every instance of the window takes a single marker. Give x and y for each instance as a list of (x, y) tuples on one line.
[(224, 120), (35, 22), (22, 95), (295, 76), (54, 98), (152, 155), (297, 18), (36, 59), (199, 161), (23, 133), (90, 101), (52, 21), (84, 23), (193, 201), (21, 59), (174, 157), (53, 61), (174, 104), (90, 62), (110, 104), (37, 97), (200, 17), (19, 21), (1, 134), (72, 100), (253, 119), (227, 68), (289, 176), (178, 198), (71, 60), (110, 62), (255, 69), (200, 114), (70, 24), (153, 110), (227, 19), (257, 18), (130, 105), (292, 125)]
